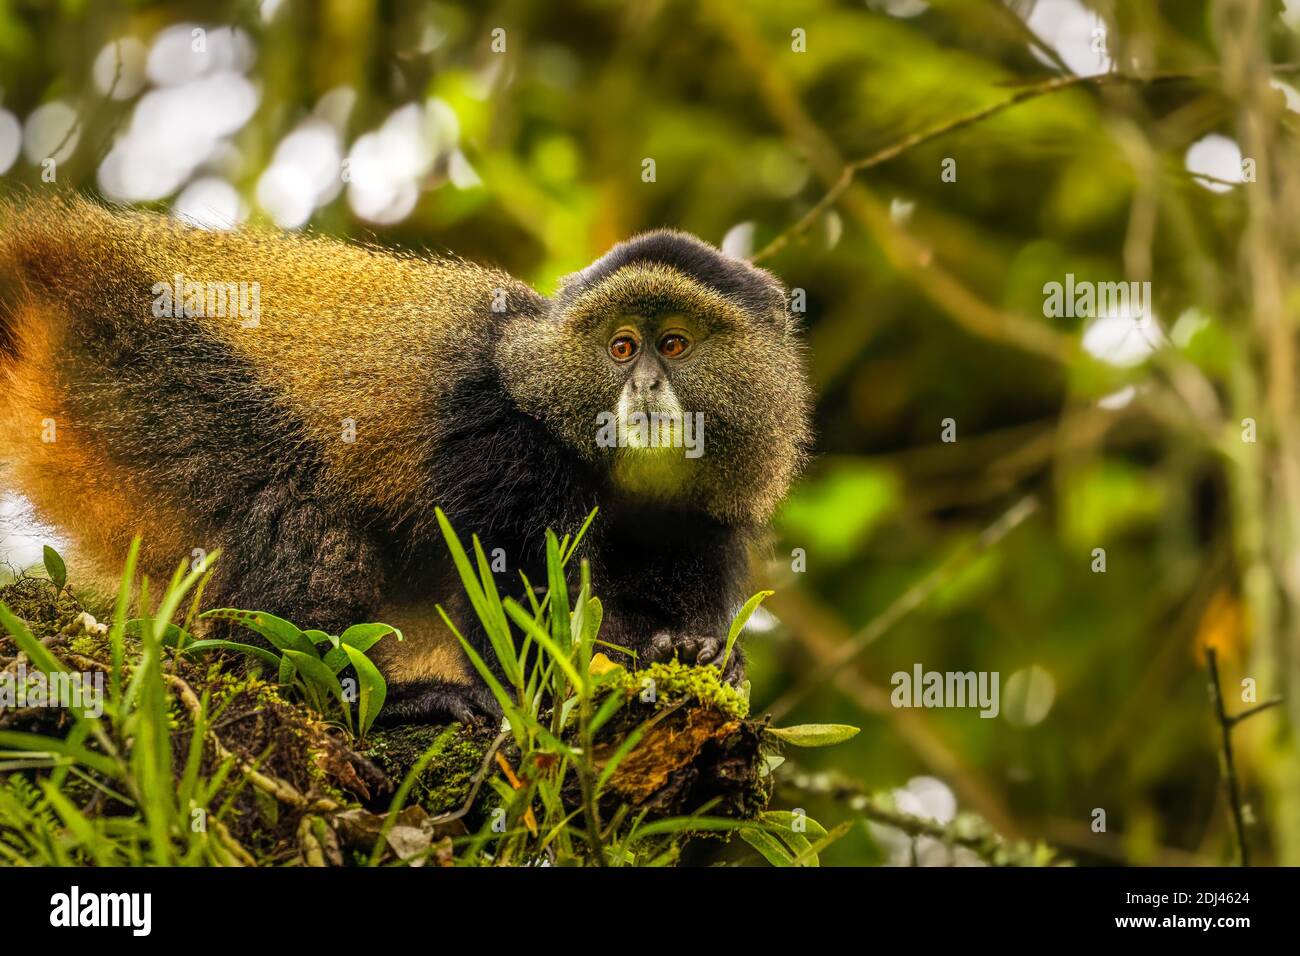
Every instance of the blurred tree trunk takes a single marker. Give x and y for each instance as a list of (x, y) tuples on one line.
[(1267, 473)]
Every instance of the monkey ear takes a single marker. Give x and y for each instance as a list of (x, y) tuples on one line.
[(782, 301), (765, 296)]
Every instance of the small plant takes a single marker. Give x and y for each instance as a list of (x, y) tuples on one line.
[(558, 693), (56, 569), (310, 661), (121, 757)]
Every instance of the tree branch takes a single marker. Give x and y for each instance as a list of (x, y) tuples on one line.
[(965, 830), (897, 148), (1229, 766)]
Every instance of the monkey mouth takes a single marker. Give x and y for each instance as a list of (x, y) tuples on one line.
[(649, 421), (648, 431), (651, 429)]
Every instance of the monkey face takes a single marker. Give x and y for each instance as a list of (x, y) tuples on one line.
[(680, 380), (649, 351)]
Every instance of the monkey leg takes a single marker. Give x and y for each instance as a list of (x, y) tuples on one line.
[(430, 680), (294, 557), (433, 701)]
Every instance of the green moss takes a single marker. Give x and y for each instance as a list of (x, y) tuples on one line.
[(94, 646), (674, 680), (446, 779)]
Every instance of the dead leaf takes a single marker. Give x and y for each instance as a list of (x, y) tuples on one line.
[(413, 833), (529, 820), (664, 749)]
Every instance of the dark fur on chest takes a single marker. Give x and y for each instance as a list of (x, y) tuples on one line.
[(502, 475)]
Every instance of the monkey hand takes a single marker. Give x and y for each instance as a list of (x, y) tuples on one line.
[(699, 651)]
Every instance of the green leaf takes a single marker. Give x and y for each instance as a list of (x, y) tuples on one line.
[(582, 532), (336, 658), (814, 735), (675, 825), (610, 706), (593, 616), (558, 654), (181, 584), (276, 630), (494, 685), (365, 636), (78, 824), (741, 619), (36, 652), (769, 846), (172, 635), (39, 743), (211, 645), (785, 821), (492, 602), (55, 568), (809, 855), (313, 670), (557, 589), (490, 615), (116, 632), (372, 690), (770, 763)]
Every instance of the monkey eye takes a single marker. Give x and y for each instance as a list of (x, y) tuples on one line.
[(673, 345), (623, 348)]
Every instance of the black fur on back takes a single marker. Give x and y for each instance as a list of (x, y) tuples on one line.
[(173, 403), (176, 406)]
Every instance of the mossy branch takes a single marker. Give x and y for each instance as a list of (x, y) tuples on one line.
[(966, 830)]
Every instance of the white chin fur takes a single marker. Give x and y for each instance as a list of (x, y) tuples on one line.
[(667, 410)]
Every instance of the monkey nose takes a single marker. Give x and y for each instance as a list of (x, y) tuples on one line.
[(649, 386)]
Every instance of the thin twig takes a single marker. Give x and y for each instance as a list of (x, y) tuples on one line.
[(897, 148), (1017, 24), (273, 786), (108, 98), (1234, 721), (1229, 766), (475, 783), (967, 831)]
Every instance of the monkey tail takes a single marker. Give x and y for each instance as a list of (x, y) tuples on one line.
[(8, 281), (37, 241)]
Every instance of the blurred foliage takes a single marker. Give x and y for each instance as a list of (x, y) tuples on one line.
[(917, 289)]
